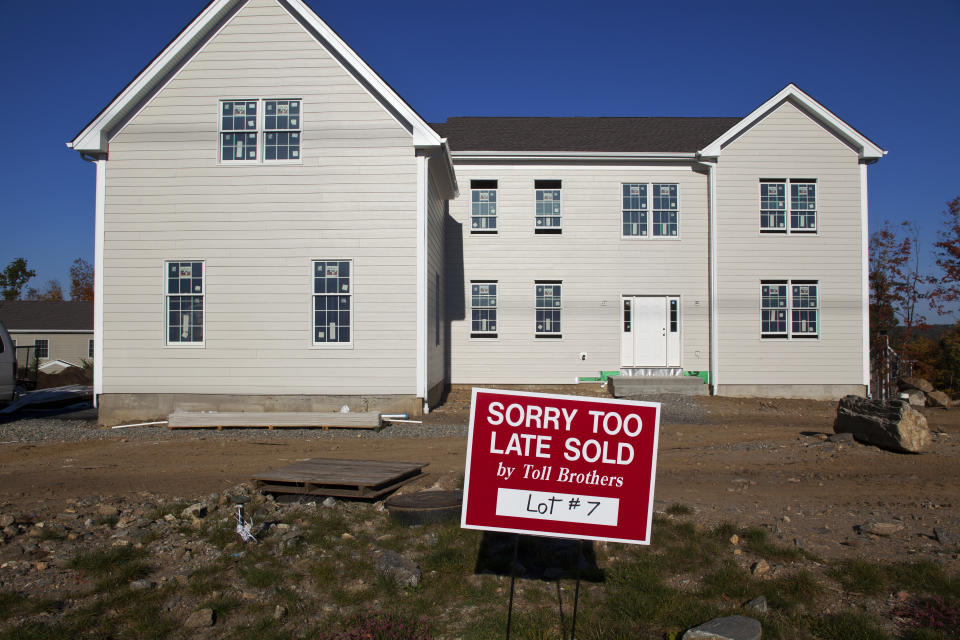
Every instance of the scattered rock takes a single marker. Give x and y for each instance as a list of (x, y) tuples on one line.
[(939, 399), (195, 511), (329, 502), (107, 511), (760, 567), (943, 537), (758, 604), (280, 612), (884, 529), (6, 520), (141, 585), (893, 426), (200, 619), (907, 383), (734, 539), (728, 628), (841, 437), (915, 397), (404, 571)]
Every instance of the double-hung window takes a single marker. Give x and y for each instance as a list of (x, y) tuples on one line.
[(789, 309), (257, 130), (184, 302), (657, 216), (483, 308), (42, 348), (548, 308), (90, 348), (332, 300), (483, 206), (548, 206), (788, 206)]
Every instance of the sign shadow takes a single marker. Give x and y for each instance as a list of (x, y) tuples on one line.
[(538, 557)]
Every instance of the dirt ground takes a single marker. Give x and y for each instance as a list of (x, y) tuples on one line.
[(747, 461)]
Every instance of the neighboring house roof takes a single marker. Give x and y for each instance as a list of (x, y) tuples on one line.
[(639, 135), (36, 315)]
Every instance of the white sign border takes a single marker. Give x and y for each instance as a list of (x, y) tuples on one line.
[(555, 396)]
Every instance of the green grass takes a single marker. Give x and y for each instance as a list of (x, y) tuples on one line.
[(756, 541), (922, 577), (113, 567), (848, 626), (110, 521), (677, 509)]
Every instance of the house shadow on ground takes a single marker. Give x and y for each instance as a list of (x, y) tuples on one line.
[(538, 558)]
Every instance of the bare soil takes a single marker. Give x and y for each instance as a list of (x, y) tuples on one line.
[(746, 461)]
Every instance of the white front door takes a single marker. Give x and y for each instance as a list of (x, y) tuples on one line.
[(650, 334)]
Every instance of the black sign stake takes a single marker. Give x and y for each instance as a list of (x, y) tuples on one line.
[(576, 591), (513, 577)]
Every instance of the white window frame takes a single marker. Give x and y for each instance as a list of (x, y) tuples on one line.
[(46, 348), (543, 332), (788, 207), (192, 344), (649, 227), (260, 131), (537, 191), (489, 334), (791, 307), (477, 192), (351, 277)]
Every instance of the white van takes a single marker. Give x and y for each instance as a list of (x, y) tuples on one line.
[(8, 366)]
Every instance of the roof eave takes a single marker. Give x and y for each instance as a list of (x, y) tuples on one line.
[(573, 155)]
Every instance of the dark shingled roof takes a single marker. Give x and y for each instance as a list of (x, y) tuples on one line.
[(35, 315), (677, 135)]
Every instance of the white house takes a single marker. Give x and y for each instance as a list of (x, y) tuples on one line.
[(277, 229)]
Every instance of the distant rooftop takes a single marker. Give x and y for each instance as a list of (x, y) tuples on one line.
[(36, 315), (655, 135)]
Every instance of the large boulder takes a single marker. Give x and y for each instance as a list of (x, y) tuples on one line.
[(938, 399), (913, 382), (893, 425)]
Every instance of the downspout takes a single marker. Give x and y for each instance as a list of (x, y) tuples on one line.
[(865, 276), (714, 304), (423, 203), (101, 163)]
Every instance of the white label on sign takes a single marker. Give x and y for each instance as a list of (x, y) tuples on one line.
[(562, 507)]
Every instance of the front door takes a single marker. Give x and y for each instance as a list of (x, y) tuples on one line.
[(650, 334)]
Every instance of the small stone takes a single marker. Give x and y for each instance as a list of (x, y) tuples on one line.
[(329, 502), (845, 437), (41, 565), (141, 585), (6, 520), (943, 537), (734, 539), (195, 511), (728, 628), (107, 511), (170, 517), (758, 604), (200, 619), (884, 529), (738, 552), (760, 567), (405, 572), (280, 612), (346, 536), (786, 519)]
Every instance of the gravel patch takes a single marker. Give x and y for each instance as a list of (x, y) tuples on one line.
[(79, 426)]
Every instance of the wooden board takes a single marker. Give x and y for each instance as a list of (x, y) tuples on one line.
[(366, 479), (270, 420)]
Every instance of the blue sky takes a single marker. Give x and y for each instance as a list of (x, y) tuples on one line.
[(890, 69)]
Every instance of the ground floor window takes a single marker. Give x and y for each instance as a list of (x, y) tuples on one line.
[(90, 348), (483, 308), (184, 302), (332, 301), (42, 347), (548, 308), (789, 309)]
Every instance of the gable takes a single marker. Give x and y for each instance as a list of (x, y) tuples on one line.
[(274, 32)]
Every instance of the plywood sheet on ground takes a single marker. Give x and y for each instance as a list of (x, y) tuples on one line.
[(341, 478), (270, 420)]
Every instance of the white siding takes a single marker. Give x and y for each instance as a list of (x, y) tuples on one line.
[(258, 227), (789, 144), (596, 266), (436, 213), (69, 347)]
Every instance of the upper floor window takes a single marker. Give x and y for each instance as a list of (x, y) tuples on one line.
[(483, 206), (548, 205), (789, 309), (184, 302), (636, 210), (483, 309), (332, 298), (796, 196), (548, 308), (260, 130)]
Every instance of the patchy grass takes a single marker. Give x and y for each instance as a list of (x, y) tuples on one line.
[(677, 509), (113, 567), (848, 626), (923, 576)]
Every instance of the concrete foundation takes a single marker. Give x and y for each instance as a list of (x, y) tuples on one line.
[(119, 408), (799, 391)]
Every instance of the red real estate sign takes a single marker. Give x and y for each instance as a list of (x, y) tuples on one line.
[(564, 466)]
